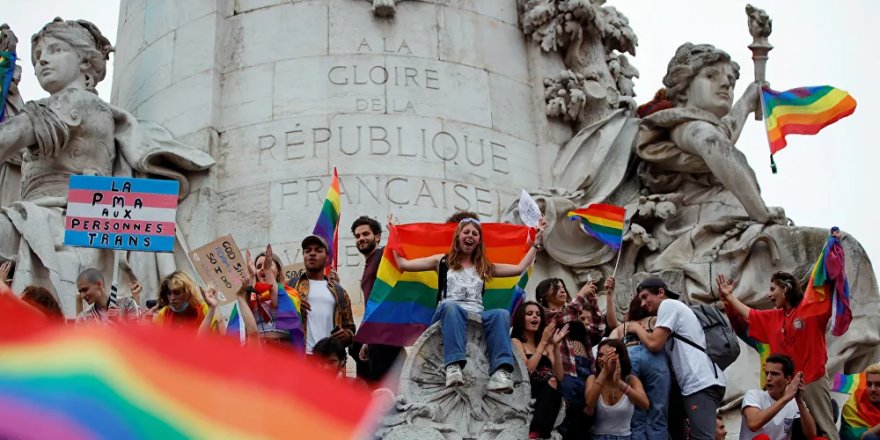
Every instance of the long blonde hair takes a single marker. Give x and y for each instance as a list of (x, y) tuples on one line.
[(455, 255)]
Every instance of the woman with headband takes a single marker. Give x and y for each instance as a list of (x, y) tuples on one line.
[(467, 271)]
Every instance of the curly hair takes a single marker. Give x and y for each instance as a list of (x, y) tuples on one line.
[(180, 281), (85, 38), (689, 59)]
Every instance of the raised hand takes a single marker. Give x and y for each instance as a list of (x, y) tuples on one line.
[(6, 267), (588, 290), (270, 272), (725, 286), (547, 337), (211, 297), (791, 390), (333, 277), (610, 282), (559, 335), (251, 278), (136, 290)]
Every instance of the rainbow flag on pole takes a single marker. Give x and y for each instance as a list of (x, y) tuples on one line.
[(605, 222), (155, 382), (805, 110), (401, 304), (7, 69), (327, 226)]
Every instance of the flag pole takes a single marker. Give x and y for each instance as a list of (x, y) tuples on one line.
[(620, 249), (114, 286)]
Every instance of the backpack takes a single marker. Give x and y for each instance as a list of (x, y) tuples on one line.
[(721, 342), (442, 268)]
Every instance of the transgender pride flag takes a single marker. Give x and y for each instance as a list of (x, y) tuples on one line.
[(121, 213)]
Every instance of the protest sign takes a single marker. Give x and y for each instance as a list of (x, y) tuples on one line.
[(121, 213), (293, 270), (529, 212), (220, 263)]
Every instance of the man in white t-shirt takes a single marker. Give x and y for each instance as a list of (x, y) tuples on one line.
[(701, 381), (774, 410), (325, 304)]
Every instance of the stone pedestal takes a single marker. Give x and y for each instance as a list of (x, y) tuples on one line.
[(430, 111)]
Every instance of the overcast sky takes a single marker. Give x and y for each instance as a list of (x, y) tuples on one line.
[(824, 180)]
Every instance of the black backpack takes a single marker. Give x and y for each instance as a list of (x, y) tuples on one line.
[(721, 342)]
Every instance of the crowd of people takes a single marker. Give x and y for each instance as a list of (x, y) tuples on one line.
[(646, 376)]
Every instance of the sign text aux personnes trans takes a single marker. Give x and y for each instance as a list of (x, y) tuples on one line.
[(121, 213)]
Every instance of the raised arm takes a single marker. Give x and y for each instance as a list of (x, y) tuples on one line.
[(610, 310), (511, 270), (756, 418), (808, 424), (747, 103), (726, 163), (419, 264), (725, 288)]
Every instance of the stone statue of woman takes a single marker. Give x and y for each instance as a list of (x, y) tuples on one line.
[(71, 132), (696, 209)]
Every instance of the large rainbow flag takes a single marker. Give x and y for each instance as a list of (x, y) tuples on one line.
[(327, 226), (828, 287), (858, 414), (154, 382), (603, 221), (7, 69), (804, 110), (402, 303)]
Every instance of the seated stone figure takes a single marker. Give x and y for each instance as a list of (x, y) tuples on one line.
[(73, 132), (695, 206)]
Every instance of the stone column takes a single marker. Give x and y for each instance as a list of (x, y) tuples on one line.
[(431, 111)]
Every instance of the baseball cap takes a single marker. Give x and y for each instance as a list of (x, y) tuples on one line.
[(657, 282), (314, 239)]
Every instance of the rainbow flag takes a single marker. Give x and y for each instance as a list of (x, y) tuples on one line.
[(402, 304), (327, 226), (7, 69), (845, 383), (235, 327), (829, 288), (858, 414), (805, 110), (155, 382), (605, 222)]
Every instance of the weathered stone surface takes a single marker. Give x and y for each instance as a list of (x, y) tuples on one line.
[(425, 406)]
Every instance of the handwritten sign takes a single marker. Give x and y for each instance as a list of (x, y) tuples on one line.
[(529, 212), (121, 213), (221, 264), (293, 270)]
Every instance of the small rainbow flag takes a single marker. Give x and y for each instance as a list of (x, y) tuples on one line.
[(845, 383), (154, 382), (605, 222), (829, 288), (804, 110), (7, 69), (859, 414), (327, 226), (401, 304)]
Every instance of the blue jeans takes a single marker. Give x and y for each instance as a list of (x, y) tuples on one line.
[(611, 437), (496, 331), (652, 369)]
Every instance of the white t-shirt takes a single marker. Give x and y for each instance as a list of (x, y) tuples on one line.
[(465, 288), (320, 317), (694, 370), (779, 427)]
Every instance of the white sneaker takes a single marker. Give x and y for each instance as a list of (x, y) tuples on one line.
[(454, 378), (500, 382)]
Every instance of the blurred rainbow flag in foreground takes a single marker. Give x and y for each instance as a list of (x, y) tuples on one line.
[(151, 382), (402, 303)]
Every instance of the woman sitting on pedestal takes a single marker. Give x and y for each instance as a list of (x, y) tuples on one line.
[(467, 271)]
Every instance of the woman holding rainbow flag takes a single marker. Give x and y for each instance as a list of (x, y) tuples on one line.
[(463, 273)]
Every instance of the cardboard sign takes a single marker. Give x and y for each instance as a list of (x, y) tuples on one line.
[(529, 212), (121, 213), (293, 270), (221, 264)]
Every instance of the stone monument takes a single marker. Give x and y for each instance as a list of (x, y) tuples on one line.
[(424, 112), (44, 142)]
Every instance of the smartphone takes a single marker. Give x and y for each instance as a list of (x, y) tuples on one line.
[(151, 303)]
